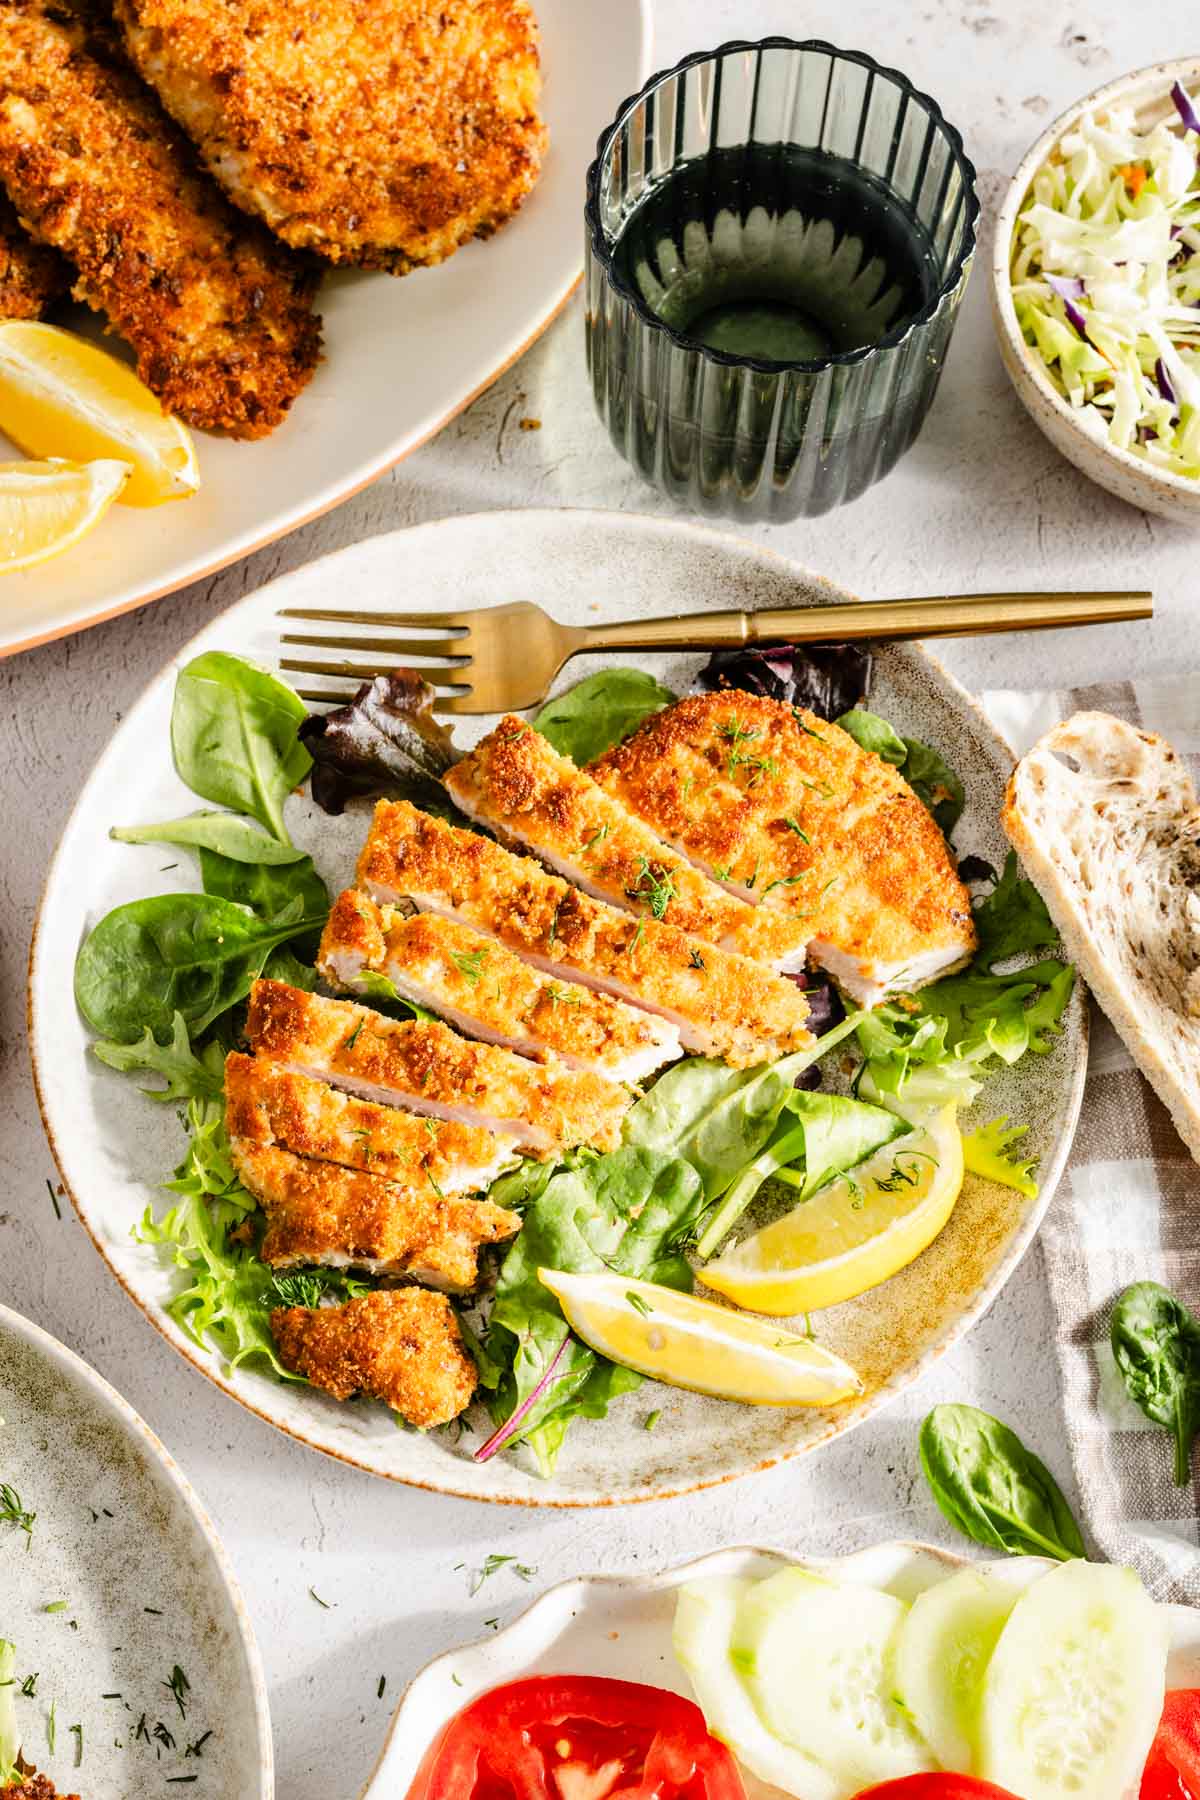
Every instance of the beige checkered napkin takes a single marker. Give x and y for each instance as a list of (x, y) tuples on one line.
[(1128, 1209)]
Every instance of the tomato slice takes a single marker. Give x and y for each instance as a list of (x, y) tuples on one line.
[(1176, 1749), (578, 1737), (939, 1786)]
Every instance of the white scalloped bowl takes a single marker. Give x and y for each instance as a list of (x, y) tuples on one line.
[(620, 1626)]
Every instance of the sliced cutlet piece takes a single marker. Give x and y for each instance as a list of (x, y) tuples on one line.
[(484, 991), (399, 1345), (724, 1006), (269, 1105), (423, 1066), (788, 810), (318, 1212), (517, 785)]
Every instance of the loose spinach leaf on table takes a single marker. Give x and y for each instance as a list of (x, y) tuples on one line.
[(600, 711), (627, 1212), (234, 737), (191, 954), (1156, 1344), (222, 832), (992, 1488)]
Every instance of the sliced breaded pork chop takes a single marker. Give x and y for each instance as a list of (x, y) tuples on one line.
[(484, 991), (426, 1068), (787, 810), (516, 784), (269, 1105), (724, 1006), (319, 1212), (399, 1345)]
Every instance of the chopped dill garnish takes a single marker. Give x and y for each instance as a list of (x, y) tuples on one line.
[(781, 881), (162, 1736), (353, 1038), (798, 829), (12, 1512), (817, 787), (178, 1687), (52, 1725), (596, 838), (156, 1610), (696, 961), (313, 1592), (656, 888), (564, 996), (197, 1749), (470, 963), (638, 1304), (380, 1688), (489, 1566), (29, 1685), (651, 1420), (139, 1730), (56, 1606), (53, 1198), (307, 1287), (78, 1730), (807, 729)]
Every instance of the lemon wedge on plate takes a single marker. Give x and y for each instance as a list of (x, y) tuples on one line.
[(45, 507), (855, 1232), (63, 396), (695, 1344)]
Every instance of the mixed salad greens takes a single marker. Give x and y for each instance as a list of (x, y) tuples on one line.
[(163, 982), (1106, 279)]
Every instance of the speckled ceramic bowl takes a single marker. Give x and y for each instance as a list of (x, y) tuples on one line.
[(122, 1541), (621, 1626), (1127, 476), (113, 1147)]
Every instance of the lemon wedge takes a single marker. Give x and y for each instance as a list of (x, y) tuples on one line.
[(695, 1344), (45, 507), (855, 1232), (63, 396)]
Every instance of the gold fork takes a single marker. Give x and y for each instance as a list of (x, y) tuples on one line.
[(504, 658)]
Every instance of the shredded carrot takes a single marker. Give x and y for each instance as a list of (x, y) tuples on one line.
[(1134, 177)]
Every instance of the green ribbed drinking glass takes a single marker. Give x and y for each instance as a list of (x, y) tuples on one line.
[(778, 237)]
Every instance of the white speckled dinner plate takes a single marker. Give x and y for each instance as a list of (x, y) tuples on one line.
[(113, 1147), (620, 1626), (121, 1539), (401, 358)]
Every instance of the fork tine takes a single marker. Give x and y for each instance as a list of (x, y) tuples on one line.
[(334, 615), (436, 647), (451, 703), (437, 675)]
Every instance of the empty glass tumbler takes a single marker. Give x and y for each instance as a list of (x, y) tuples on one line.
[(778, 237)]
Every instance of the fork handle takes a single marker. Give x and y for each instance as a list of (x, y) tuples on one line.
[(940, 615)]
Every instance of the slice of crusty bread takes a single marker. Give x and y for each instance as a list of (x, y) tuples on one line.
[(1104, 818)]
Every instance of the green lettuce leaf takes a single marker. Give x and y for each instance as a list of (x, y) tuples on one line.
[(187, 1073), (986, 1152)]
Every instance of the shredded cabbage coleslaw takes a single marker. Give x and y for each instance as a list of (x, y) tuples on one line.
[(1106, 279)]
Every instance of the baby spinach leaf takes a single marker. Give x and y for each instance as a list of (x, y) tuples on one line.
[(191, 954), (600, 711), (934, 783), (187, 1074), (221, 832), (267, 887), (233, 737), (1156, 1344), (992, 1488), (627, 1212), (875, 734)]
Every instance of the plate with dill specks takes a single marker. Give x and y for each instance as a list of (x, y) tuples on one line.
[(190, 1258), (127, 1645)]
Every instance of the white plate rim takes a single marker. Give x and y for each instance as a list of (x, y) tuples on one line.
[(136, 1428), (1050, 1171), (344, 488), (571, 1597)]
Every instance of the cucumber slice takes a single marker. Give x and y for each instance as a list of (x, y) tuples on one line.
[(704, 1616), (816, 1659), (1073, 1692), (941, 1655)]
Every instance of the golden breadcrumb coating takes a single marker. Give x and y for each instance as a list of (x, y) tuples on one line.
[(31, 276), (267, 1104), (789, 810), (520, 787), (398, 1345), (379, 132), (484, 991), (725, 1006), (218, 314), (430, 1069), (33, 1786), (319, 1212)]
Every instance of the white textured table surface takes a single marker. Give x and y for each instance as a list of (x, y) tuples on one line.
[(981, 501)]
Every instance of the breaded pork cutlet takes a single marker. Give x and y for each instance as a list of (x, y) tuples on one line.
[(787, 810), (269, 1105), (484, 991), (519, 786), (723, 1006), (31, 276), (399, 1345), (378, 132), (425, 1067), (218, 314), (319, 1212)]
